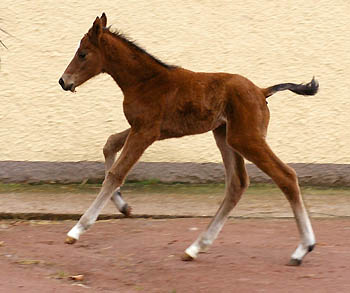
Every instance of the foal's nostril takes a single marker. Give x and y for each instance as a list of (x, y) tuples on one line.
[(66, 87), (69, 87), (61, 82)]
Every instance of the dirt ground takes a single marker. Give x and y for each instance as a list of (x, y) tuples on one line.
[(143, 255)]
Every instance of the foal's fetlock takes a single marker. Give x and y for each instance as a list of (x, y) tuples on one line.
[(300, 253), (74, 233), (126, 210), (200, 245), (311, 247)]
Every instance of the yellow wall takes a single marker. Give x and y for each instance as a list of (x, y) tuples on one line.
[(267, 41)]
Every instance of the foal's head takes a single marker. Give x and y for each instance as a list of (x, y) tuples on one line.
[(87, 61)]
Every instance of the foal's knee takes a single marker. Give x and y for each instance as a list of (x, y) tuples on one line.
[(107, 151), (108, 148), (112, 181), (113, 144)]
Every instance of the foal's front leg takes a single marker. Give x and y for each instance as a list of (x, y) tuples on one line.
[(135, 145), (113, 145)]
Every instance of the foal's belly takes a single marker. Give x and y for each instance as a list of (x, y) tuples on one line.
[(189, 125)]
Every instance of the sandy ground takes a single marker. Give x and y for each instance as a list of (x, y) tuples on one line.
[(143, 254), (140, 255)]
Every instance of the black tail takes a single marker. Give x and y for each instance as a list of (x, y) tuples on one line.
[(308, 89)]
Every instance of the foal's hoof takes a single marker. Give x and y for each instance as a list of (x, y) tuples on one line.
[(126, 210), (186, 257), (70, 240), (294, 262)]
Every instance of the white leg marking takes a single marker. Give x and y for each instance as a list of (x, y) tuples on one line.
[(92, 213), (193, 250), (207, 238), (118, 200), (76, 231), (306, 232)]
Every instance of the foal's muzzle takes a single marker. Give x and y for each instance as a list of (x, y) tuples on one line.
[(66, 87)]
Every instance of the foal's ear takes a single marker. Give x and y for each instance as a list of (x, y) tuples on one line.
[(103, 19), (96, 31)]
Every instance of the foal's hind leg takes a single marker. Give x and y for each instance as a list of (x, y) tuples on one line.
[(257, 151), (236, 182), (113, 145)]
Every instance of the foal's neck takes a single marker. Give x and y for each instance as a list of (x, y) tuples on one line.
[(128, 66)]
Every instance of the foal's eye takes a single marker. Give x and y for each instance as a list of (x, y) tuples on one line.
[(82, 55)]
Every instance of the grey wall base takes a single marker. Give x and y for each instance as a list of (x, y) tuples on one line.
[(77, 172)]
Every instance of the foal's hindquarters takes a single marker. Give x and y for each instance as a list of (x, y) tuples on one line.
[(237, 181), (244, 136)]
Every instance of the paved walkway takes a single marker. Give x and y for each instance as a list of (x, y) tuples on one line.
[(71, 204)]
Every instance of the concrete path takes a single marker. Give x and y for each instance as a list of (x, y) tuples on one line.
[(66, 202)]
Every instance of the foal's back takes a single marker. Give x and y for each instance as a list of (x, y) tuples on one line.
[(197, 102)]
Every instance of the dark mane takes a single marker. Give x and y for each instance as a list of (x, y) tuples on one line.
[(133, 44)]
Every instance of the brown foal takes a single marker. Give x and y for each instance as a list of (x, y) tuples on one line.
[(163, 101)]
